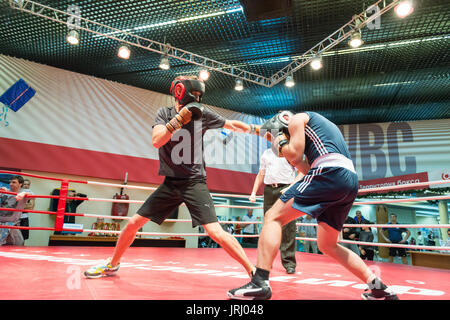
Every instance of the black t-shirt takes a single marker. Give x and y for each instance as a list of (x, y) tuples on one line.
[(182, 156)]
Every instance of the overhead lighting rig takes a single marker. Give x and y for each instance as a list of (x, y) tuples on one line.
[(127, 38)]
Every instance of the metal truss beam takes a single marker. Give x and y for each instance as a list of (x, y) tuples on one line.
[(358, 22)]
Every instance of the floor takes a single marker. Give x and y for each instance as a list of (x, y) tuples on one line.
[(147, 273)]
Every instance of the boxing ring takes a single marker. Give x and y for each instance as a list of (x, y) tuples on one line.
[(155, 273)]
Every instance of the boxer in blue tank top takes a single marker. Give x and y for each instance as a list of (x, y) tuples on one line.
[(316, 147)]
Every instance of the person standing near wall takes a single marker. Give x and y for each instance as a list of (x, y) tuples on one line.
[(366, 235), (395, 236), (29, 205), (249, 229), (12, 236)]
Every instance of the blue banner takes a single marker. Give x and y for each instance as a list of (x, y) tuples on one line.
[(17, 95)]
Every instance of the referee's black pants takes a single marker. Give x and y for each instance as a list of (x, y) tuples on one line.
[(289, 232)]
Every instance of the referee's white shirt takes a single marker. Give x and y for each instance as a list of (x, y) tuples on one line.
[(276, 169)]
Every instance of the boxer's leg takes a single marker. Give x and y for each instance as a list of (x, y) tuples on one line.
[(230, 245), (127, 237)]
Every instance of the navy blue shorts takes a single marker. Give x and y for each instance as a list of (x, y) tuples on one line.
[(326, 194)]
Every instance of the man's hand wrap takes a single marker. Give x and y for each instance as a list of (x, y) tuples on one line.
[(192, 111), (254, 129)]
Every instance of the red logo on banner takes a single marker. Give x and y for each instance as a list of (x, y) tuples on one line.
[(445, 176)]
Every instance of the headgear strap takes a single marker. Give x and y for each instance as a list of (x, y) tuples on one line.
[(187, 86)]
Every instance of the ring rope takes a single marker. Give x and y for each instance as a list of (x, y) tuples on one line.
[(225, 206), (412, 226), (419, 184), (235, 235), (375, 244), (416, 199)]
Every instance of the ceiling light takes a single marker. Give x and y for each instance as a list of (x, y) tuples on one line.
[(289, 81), (355, 40), (316, 63), (204, 75), (404, 8), (73, 37), (124, 52), (239, 85), (164, 64)]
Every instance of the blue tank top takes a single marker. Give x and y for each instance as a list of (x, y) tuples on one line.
[(322, 137)]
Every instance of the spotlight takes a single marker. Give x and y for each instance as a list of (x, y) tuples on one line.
[(204, 75), (404, 8), (164, 64), (289, 81), (124, 52), (239, 85), (316, 63), (355, 40), (73, 37)]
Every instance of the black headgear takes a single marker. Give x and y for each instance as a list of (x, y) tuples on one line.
[(187, 86)]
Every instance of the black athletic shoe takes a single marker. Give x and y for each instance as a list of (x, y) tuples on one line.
[(379, 291), (252, 291)]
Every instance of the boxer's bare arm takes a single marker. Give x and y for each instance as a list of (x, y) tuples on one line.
[(237, 126), (160, 135)]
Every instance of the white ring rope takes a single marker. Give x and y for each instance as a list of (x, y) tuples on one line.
[(254, 207), (176, 235), (403, 186), (419, 184), (154, 188)]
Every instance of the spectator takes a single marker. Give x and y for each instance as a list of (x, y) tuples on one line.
[(238, 229), (29, 205), (12, 218), (395, 236), (412, 241), (229, 227), (431, 241), (71, 205), (349, 234), (309, 232), (420, 239), (366, 235), (359, 219), (447, 242), (249, 229)]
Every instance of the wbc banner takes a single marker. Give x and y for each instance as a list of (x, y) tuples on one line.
[(390, 153)]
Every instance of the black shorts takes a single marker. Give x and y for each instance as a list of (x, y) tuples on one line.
[(173, 192), (393, 252)]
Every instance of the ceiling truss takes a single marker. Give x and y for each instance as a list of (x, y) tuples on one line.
[(75, 21)]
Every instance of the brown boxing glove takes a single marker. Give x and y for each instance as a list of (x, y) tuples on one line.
[(181, 118)]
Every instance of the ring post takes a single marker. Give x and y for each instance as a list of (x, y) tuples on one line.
[(59, 221)]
